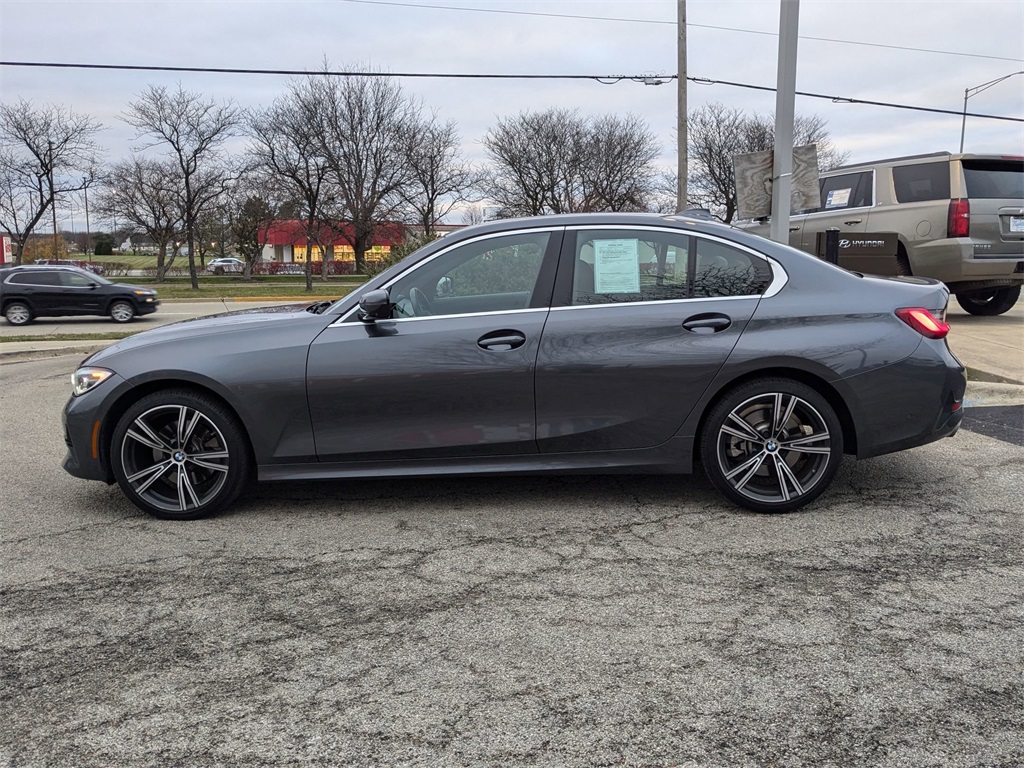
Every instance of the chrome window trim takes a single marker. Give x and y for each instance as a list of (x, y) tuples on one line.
[(528, 310), (452, 247)]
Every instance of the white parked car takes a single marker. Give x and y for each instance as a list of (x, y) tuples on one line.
[(228, 264)]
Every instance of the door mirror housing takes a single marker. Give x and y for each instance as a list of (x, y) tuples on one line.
[(375, 305)]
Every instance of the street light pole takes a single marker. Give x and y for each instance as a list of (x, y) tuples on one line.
[(968, 92)]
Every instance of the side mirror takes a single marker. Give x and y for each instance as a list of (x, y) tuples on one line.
[(375, 305)]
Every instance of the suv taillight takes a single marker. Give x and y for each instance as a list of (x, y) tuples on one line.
[(924, 322), (959, 222)]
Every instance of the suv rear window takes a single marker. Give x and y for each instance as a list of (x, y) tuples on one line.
[(994, 179), (925, 181), (36, 278)]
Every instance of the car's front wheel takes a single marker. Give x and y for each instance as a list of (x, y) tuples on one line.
[(180, 455), (122, 311), (989, 301), (772, 445), (18, 313)]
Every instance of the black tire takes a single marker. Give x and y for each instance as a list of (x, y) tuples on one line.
[(218, 270), (18, 313), (181, 455), (903, 263), (122, 311), (744, 449), (989, 301)]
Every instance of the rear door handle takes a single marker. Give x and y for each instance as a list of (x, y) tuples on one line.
[(709, 322), (851, 222), (794, 229), (502, 340)]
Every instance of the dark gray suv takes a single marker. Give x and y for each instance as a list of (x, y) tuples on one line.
[(30, 291)]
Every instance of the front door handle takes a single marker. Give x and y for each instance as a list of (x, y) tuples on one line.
[(851, 222), (709, 322), (502, 340), (794, 229)]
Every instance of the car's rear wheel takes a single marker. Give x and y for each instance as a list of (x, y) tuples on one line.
[(989, 301), (18, 313), (122, 311), (772, 445), (180, 455)]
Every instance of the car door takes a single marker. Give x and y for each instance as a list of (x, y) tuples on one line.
[(41, 289), (451, 373), (81, 295), (628, 350), (846, 200)]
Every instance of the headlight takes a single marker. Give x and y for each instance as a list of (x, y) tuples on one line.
[(145, 293), (85, 379)]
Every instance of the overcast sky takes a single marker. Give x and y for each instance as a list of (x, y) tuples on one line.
[(962, 44)]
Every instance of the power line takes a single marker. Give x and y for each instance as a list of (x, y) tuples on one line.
[(673, 23), (604, 79)]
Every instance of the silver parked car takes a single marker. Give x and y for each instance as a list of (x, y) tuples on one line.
[(590, 343), (959, 219)]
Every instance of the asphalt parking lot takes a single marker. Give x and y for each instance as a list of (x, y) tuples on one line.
[(570, 621)]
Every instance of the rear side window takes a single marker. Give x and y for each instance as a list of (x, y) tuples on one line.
[(994, 179), (36, 278), (613, 266), (926, 181)]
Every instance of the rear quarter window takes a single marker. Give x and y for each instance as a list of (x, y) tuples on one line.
[(924, 181), (994, 179)]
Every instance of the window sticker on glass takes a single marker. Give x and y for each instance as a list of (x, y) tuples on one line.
[(837, 198), (617, 266)]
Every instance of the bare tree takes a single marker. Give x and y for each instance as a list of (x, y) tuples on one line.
[(441, 179), (285, 147), (366, 131), (716, 133), (42, 150), (145, 193), (558, 161), (618, 168), (193, 132), (249, 215)]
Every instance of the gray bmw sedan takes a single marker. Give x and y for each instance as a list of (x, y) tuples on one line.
[(594, 343)]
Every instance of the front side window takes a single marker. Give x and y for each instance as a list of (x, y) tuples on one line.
[(489, 275), (75, 280), (618, 266)]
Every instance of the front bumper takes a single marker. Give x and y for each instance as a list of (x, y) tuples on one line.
[(88, 421)]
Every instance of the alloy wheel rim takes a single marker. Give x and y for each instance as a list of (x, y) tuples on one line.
[(774, 448), (17, 314), (175, 458), (122, 312)]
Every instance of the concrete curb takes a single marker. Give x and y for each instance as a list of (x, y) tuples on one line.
[(80, 349)]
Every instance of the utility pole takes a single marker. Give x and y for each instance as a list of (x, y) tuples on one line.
[(785, 104), (681, 202), (53, 196)]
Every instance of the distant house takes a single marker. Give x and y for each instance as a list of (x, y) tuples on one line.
[(286, 241)]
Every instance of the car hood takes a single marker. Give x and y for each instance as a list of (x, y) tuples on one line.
[(242, 320)]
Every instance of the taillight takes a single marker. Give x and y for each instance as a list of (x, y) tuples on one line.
[(924, 322), (959, 221)]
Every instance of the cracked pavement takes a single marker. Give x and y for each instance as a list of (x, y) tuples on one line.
[(571, 621)]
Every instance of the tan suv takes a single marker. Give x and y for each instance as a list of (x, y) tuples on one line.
[(959, 218)]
